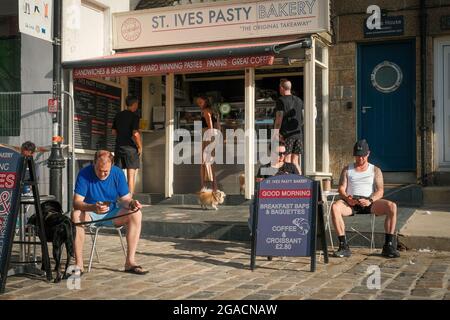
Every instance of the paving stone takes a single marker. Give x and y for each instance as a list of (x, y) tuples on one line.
[(257, 297), (192, 269), (355, 297), (202, 295)]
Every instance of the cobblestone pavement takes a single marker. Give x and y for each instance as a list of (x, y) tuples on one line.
[(202, 269)]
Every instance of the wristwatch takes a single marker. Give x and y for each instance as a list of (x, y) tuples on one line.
[(371, 200)]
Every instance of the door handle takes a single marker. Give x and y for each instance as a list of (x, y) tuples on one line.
[(364, 108)]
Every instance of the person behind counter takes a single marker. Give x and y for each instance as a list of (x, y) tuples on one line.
[(209, 122)]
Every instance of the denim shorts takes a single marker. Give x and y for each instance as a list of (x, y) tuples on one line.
[(109, 223)]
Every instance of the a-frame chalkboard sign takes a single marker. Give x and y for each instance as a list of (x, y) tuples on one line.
[(288, 219), (12, 180)]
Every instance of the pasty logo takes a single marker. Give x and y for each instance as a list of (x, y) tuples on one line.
[(131, 29)]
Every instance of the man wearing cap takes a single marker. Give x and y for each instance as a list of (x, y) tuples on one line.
[(361, 190)]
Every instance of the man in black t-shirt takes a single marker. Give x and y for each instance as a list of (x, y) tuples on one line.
[(289, 123), (128, 140)]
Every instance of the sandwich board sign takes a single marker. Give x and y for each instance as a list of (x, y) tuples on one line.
[(13, 168), (288, 219), (11, 175)]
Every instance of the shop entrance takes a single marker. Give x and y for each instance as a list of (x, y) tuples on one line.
[(226, 92), (386, 109)]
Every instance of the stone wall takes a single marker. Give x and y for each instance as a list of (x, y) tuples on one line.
[(347, 23)]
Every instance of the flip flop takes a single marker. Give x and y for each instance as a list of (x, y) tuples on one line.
[(136, 270)]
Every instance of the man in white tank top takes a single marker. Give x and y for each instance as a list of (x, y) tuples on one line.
[(361, 190)]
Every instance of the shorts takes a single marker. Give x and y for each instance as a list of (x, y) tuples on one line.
[(126, 157), (361, 210), (294, 145), (109, 223)]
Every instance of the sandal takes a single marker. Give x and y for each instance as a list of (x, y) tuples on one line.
[(136, 270)]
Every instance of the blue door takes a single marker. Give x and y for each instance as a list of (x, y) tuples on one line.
[(386, 110)]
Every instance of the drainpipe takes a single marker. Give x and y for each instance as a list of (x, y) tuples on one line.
[(423, 88)]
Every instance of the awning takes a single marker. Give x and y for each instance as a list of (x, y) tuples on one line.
[(230, 57)]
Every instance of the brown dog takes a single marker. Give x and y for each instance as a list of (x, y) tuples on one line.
[(211, 198)]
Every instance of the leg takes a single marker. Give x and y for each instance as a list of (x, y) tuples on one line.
[(202, 177), (57, 256), (133, 224), (131, 174), (388, 208), (79, 216), (339, 209), (68, 257), (214, 182)]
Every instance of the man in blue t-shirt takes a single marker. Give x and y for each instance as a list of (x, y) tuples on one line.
[(97, 189)]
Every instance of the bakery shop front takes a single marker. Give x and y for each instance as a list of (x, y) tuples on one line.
[(235, 53)]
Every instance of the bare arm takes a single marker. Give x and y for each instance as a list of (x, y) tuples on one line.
[(277, 125), (379, 185), (114, 132), (127, 202), (137, 140), (79, 204), (208, 117), (343, 187)]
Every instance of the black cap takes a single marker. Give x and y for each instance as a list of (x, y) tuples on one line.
[(361, 148)]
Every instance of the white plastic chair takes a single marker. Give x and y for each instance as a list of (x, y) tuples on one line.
[(94, 230)]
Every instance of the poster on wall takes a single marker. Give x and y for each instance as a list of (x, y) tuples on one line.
[(96, 105), (35, 18)]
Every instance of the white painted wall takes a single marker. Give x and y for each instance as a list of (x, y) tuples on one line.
[(87, 27)]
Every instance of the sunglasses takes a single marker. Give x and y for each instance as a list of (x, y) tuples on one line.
[(281, 154)]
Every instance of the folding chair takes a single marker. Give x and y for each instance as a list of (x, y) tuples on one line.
[(94, 230), (333, 196), (372, 238)]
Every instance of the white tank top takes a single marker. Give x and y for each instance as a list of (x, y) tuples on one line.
[(360, 183)]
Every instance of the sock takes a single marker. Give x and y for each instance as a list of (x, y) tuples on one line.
[(389, 239), (342, 240)]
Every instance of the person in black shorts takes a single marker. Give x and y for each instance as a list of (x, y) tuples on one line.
[(289, 123), (361, 190), (128, 140)]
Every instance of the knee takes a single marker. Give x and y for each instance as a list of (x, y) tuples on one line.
[(136, 217), (392, 208), (335, 212)]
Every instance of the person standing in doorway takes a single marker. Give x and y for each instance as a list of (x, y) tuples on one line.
[(209, 123), (289, 122), (128, 140)]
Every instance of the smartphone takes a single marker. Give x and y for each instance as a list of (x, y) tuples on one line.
[(104, 203)]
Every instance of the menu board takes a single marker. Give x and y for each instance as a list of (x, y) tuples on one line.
[(96, 105), (11, 173), (285, 210)]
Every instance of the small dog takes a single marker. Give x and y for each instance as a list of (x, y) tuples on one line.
[(211, 198), (242, 183), (59, 230)]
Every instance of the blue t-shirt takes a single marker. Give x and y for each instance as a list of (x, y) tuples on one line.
[(93, 189)]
